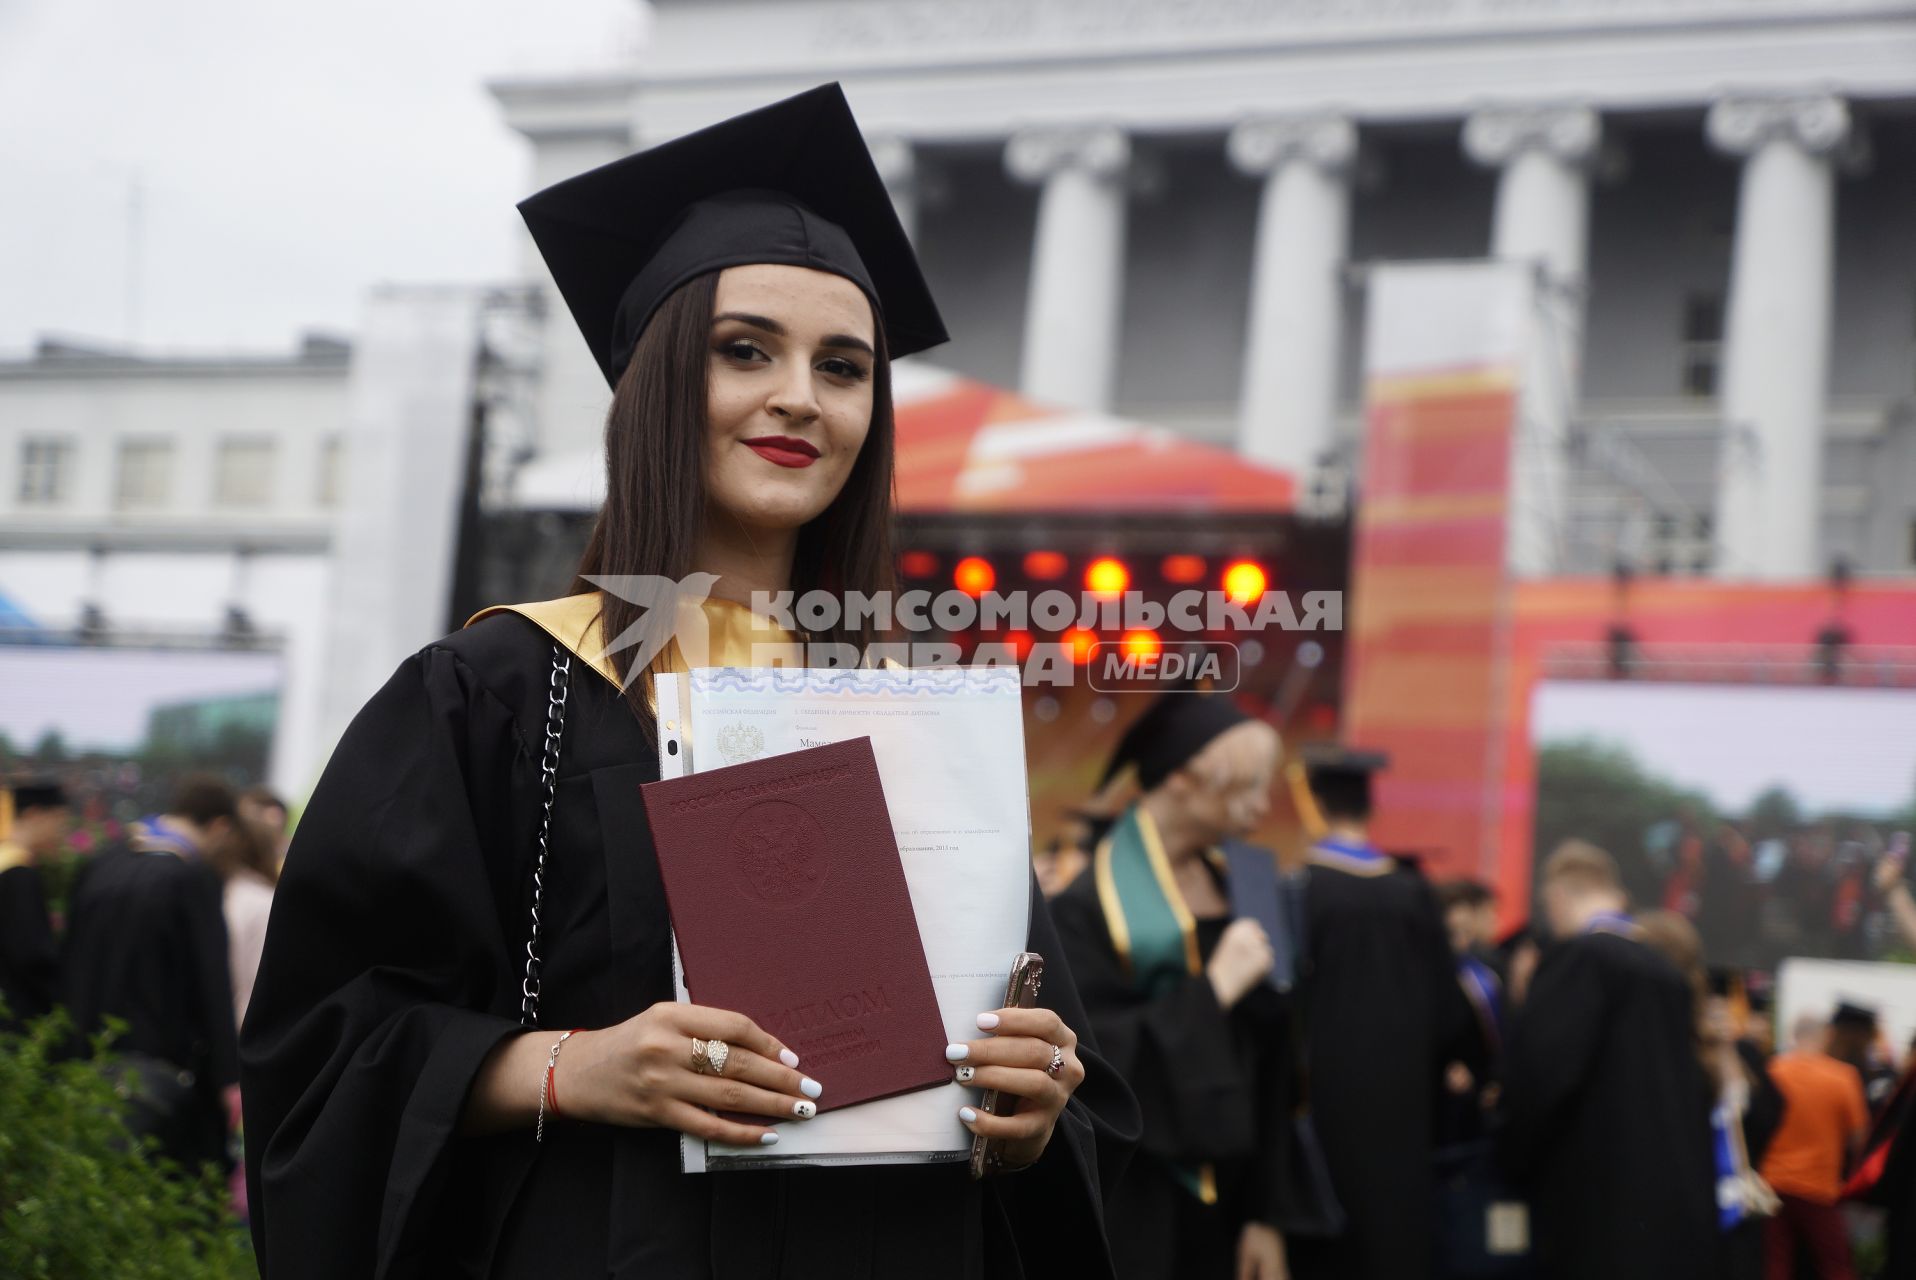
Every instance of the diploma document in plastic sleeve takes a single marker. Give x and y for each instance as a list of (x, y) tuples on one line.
[(950, 750)]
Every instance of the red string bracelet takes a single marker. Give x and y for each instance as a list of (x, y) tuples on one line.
[(552, 1078), (549, 1094)]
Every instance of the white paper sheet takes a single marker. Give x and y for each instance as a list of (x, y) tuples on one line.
[(950, 751)]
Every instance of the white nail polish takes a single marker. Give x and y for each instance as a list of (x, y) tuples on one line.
[(804, 1110), (967, 1114), (957, 1052), (810, 1087), (767, 1139), (789, 1058), (987, 1021)]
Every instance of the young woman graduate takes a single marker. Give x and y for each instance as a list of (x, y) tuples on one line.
[(744, 289), (1164, 936)]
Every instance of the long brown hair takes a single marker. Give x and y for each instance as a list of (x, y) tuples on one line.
[(655, 480), (1676, 940)]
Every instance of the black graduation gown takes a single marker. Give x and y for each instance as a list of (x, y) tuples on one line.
[(146, 943), (1383, 1014), (29, 957), (392, 968), (1607, 1116), (1213, 1087), (1762, 1117)]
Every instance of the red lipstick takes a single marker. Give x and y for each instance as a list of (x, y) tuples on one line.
[(784, 451)]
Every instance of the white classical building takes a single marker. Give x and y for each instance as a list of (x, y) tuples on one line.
[(179, 501), (308, 505), (1163, 207)]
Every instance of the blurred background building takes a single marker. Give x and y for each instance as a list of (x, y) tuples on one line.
[(1163, 208)]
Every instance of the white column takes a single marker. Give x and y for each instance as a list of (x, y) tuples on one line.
[(1543, 157), (1777, 333), (898, 166), (1077, 266), (1287, 410)]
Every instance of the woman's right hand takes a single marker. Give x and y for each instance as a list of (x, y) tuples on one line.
[(1242, 958), (640, 1074)]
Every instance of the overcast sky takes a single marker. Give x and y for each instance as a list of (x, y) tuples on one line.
[(288, 156), (1849, 749)]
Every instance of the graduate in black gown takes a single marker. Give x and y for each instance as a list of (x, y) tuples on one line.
[(146, 944), (32, 826), (1383, 1015), (743, 289), (1606, 1107), (1181, 991)]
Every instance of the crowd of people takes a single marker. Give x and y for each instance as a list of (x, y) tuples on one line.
[(1805, 891), (1393, 1086), (1342, 1070), (161, 933)]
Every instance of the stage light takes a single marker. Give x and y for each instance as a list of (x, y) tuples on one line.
[(1831, 643), (1182, 568), (1244, 582), (918, 564), (1045, 564), (1142, 643), (1078, 641), (1020, 642), (1107, 577), (974, 575), (1621, 644)]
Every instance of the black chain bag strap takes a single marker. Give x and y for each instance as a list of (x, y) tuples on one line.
[(557, 686)]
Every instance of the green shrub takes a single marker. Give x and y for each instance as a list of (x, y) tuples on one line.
[(78, 1198)]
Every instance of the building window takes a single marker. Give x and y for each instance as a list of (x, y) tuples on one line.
[(1702, 343), (46, 472), (146, 474), (331, 452), (245, 474)]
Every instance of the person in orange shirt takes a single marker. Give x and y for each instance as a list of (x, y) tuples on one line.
[(1824, 1119)]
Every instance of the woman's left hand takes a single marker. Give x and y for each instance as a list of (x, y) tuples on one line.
[(1013, 1060)]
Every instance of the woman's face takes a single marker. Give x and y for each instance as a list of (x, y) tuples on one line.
[(790, 393)]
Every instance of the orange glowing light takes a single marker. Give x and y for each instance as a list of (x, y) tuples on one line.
[(1244, 582), (1020, 642), (1107, 577), (1141, 644), (1079, 642), (1183, 568), (918, 564), (1045, 564), (974, 575)]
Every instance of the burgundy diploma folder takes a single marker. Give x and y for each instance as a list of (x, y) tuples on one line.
[(791, 907)]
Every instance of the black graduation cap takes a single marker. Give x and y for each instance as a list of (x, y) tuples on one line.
[(1340, 777), (1170, 732), (792, 183), (1853, 1015), (38, 793)]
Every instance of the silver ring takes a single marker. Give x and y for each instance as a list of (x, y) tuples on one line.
[(716, 1052), (1057, 1062)]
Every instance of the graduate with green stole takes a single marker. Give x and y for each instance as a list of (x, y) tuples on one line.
[(1187, 995)]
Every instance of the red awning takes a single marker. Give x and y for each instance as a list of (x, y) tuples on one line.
[(965, 446)]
